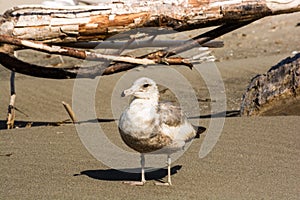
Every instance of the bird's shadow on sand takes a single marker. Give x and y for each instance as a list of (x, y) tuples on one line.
[(122, 175)]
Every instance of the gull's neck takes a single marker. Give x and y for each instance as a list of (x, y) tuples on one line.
[(151, 100)]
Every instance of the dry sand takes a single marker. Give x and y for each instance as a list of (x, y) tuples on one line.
[(255, 158)]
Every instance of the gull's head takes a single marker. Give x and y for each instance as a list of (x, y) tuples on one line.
[(142, 88)]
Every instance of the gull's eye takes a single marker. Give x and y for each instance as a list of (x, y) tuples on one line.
[(146, 85)]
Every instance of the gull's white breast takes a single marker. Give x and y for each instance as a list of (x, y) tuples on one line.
[(139, 119)]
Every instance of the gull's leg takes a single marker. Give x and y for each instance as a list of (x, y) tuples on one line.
[(169, 173), (143, 167), (169, 170), (143, 180)]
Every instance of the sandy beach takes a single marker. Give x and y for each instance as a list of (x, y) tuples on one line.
[(254, 158)]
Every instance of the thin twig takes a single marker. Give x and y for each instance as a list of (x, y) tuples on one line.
[(11, 109), (70, 111)]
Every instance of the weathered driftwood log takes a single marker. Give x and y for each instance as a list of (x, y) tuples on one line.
[(86, 23), (272, 89)]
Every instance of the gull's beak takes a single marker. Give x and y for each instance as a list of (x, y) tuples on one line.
[(127, 92), (123, 94)]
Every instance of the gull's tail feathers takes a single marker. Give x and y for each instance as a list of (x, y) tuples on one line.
[(199, 130)]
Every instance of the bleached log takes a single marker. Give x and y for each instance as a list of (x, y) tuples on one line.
[(87, 23)]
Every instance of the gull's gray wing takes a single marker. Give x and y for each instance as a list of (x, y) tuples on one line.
[(170, 114)]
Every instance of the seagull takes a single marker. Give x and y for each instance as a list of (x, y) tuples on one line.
[(150, 126)]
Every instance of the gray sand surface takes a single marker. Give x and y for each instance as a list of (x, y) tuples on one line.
[(255, 158)]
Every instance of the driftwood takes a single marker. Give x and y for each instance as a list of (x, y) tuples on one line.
[(280, 83), (70, 111), (87, 23), (159, 57), (25, 25)]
